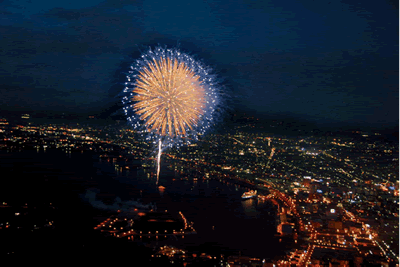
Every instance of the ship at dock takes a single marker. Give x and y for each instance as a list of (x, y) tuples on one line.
[(249, 194)]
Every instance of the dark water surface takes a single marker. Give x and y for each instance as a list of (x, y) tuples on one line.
[(72, 181)]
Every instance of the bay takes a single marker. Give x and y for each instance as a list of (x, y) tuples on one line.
[(224, 223)]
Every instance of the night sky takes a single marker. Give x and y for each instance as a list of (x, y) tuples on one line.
[(327, 62)]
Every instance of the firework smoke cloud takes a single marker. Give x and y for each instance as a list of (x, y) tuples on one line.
[(170, 96)]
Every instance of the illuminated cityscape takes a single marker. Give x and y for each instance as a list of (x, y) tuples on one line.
[(335, 197), (236, 133)]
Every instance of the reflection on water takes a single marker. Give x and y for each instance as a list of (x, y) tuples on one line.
[(250, 208), (161, 190)]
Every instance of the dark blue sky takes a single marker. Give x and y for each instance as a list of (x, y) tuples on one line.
[(322, 61)]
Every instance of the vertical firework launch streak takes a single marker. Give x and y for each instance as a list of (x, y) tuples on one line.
[(169, 97), (158, 160)]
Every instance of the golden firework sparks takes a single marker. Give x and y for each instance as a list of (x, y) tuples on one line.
[(168, 97)]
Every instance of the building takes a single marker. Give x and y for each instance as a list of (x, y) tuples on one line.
[(336, 225)]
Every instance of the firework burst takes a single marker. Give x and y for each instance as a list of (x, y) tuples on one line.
[(170, 96)]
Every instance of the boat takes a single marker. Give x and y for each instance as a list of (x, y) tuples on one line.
[(249, 194)]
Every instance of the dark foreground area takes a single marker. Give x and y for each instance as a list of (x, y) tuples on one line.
[(43, 217), (63, 233)]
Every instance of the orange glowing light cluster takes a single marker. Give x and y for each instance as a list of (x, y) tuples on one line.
[(169, 97)]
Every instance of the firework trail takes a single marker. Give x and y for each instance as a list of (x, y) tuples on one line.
[(169, 97), (158, 160)]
